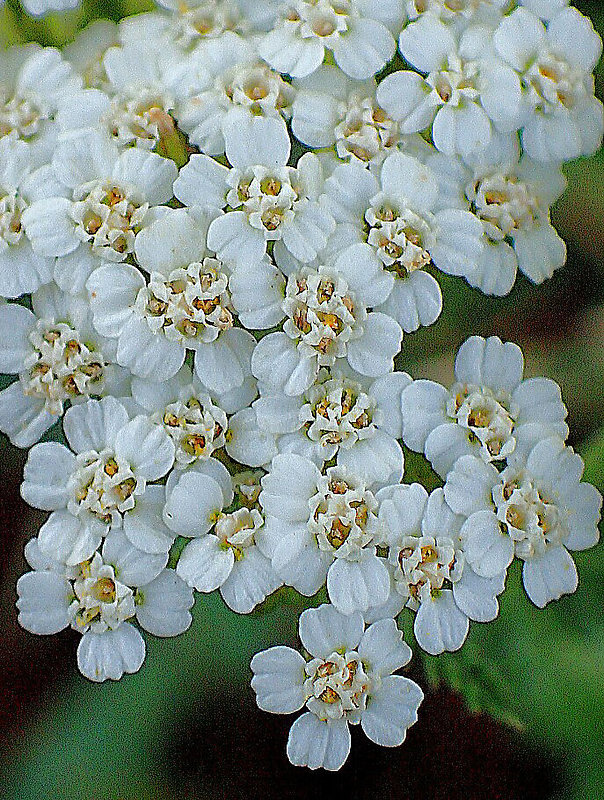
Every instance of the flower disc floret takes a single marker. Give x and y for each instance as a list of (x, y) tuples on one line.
[(196, 426), (489, 416), (101, 602), (103, 485), (61, 367), (192, 303), (109, 217), (322, 314), (337, 687), (402, 238), (423, 565), (343, 514)]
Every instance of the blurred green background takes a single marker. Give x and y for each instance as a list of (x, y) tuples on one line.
[(518, 713)]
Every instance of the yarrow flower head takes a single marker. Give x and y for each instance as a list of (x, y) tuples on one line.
[(217, 221)]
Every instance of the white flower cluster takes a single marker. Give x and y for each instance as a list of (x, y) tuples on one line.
[(215, 316)]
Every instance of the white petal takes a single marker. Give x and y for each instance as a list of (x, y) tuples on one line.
[(549, 576), (286, 52), (314, 743), (489, 362), (407, 178), (477, 596), (251, 140), (461, 130), (94, 425), (110, 654), (44, 600), (488, 550), (584, 506), (325, 630), (440, 625), (377, 460), (164, 610), (132, 566), (391, 710), (427, 43), (277, 498), (50, 228), (144, 526), (250, 581), (387, 390), (414, 300), (364, 274), (445, 445), (540, 251), (277, 363), (233, 238), (373, 353), (16, 323), (65, 538), (250, 444), (202, 182), (469, 486), (365, 48), (204, 564), (192, 505), (220, 365), (149, 172), (383, 648), (402, 95), (540, 400), (148, 354), (46, 474), (423, 406), (358, 585), (279, 675)]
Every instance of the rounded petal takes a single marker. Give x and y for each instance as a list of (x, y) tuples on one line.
[(358, 585), (489, 362), (315, 743), (549, 576), (46, 475), (110, 654), (383, 648), (251, 580), (44, 600), (440, 625), (488, 550), (94, 425), (164, 605), (423, 405), (193, 504), (373, 353), (324, 630), (146, 447), (391, 710), (279, 675)]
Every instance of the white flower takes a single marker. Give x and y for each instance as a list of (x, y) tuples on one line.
[(332, 109), (322, 526), (106, 199), (33, 81), (185, 305), (196, 21), (327, 320), (401, 218), (429, 569), (347, 680), (565, 120), (21, 269), (270, 200), (344, 417), (461, 13), (101, 597), (141, 89), (359, 34), (512, 198), (467, 94), (185, 410), (236, 80), (102, 484), (536, 509), (488, 410), (59, 358), (223, 552)]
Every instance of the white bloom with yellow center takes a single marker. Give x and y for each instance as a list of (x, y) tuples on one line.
[(101, 598), (325, 529), (402, 219), (266, 200), (487, 411), (107, 198), (59, 358), (537, 509), (429, 569), (102, 484), (359, 33), (347, 680), (327, 321), (223, 552), (555, 63), (467, 94)]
